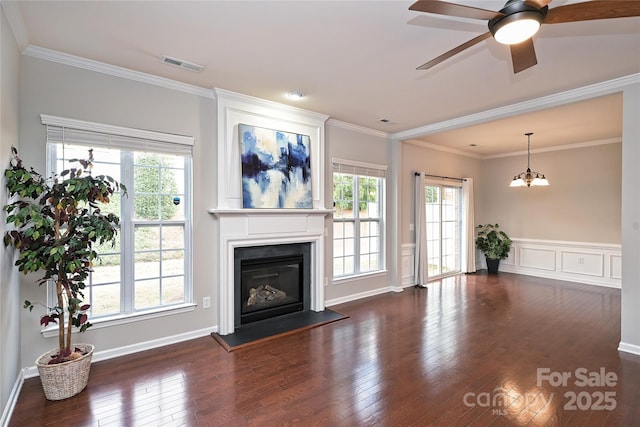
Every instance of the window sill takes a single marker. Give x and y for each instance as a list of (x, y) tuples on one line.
[(106, 322), (355, 277)]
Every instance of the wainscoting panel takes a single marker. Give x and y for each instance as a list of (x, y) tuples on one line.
[(582, 263), (407, 263), (616, 266), (589, 263), (537, 257)]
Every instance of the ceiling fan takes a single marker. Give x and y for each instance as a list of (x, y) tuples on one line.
[(519, 20)]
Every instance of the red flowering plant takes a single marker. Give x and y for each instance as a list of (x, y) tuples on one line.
[(56, 222)]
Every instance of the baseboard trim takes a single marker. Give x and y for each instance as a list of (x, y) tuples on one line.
[(32, 371), (555, 276), (629, 348), (354, 297), (13, 399)]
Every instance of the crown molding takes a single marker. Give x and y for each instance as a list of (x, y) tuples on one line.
[(113, 70), (239, 100), (556, 148), (561, 98), (513, 153), (358, 128), (433, 146)]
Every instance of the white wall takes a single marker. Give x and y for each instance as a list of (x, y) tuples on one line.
[(352, 143), (60, 90), (630, 334), (582, 204), (10, 306)]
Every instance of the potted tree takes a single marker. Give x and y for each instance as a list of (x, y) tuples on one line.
[(56, 222), (494, 243)]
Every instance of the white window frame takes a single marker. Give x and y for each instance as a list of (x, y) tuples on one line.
[(140, 140), (367, 170)]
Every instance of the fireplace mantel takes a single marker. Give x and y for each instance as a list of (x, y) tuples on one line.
[(261, 227), (241, 227)]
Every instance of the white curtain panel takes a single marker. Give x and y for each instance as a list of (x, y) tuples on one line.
[(468, 228), (420, 259)]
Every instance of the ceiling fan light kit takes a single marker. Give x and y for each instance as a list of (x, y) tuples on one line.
[(529, 178), (519, 20), (516, 22)]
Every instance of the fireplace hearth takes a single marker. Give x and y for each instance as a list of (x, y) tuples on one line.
[(271, 281)]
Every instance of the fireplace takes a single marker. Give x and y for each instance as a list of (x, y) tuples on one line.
[(271, 280)]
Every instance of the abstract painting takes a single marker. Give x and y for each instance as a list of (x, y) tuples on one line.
[(276, 168)]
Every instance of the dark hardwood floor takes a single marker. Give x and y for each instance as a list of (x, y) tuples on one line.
[(470, 350)]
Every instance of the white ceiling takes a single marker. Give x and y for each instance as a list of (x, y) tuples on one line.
[(354, 60)]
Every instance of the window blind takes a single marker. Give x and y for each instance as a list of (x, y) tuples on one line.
[(85, 133), (359, 168)]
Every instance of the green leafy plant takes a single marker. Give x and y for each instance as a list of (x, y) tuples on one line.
[(492, 241), (55, 222)]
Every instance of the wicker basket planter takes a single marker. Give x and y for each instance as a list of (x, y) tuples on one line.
[(63, 380)]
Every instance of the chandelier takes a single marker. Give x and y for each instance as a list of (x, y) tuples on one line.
[(529, 178)]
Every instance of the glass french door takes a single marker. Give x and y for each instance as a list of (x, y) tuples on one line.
[(444, 221)]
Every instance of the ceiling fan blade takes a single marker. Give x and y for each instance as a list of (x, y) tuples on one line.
[(454, 51), (452, 9), (523, 56), (596, 9)]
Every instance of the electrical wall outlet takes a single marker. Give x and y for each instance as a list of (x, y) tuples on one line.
[(206, 302)]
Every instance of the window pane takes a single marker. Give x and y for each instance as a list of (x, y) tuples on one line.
[(147, 206), (147, 293), (369, 262), (364, 246), (172, 237), (349, 266), (169, 210), (343, 195), (349, 246), (349, 229), (147, 265), (338, 266), (172, 263), (105, 299), (147, 238), (106, 269), (173, 290)]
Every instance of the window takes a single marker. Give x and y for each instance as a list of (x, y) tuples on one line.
[(358, 227), (149, 266), (444, 219)]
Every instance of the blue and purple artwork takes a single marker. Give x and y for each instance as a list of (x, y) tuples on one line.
[(276, 169)]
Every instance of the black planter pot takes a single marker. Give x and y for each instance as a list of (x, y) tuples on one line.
[(492, 265)]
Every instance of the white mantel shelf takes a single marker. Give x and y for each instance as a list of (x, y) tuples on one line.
[(225, 212)]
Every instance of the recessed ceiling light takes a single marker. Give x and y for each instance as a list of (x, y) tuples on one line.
[(295, 95)]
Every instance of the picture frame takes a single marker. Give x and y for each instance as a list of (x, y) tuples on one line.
[(276, 168)]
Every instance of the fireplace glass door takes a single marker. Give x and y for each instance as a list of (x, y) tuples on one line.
[(270, 287)]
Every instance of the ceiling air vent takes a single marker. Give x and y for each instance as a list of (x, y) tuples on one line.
[(182, 64)]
